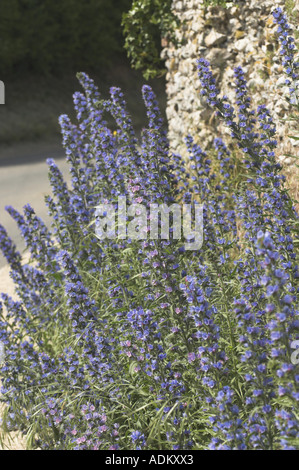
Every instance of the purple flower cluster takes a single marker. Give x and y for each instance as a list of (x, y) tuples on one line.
[(139, 343), (287, 53)]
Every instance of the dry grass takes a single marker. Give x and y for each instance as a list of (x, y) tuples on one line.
[(290, 164), (292, 175), (13, 441)]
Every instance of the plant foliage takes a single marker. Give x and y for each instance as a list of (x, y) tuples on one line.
[(119, 343)]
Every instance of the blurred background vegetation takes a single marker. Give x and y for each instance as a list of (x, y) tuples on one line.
[(49, 37), (43, 44)]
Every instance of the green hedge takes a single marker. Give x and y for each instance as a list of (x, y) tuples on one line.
[(51, 36), (145, 24)]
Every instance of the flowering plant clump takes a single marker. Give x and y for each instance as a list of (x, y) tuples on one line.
[(127, 343)]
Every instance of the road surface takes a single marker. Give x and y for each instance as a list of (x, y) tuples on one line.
[(25, 180)]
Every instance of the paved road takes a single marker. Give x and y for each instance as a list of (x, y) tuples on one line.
[(22, 183)]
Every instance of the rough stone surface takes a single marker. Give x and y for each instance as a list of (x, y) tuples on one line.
[(242, 34), (214, 39)]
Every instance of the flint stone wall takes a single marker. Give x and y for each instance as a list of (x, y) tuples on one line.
[(244, 34)]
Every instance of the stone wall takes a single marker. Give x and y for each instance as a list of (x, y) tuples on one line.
[(244, 34)]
